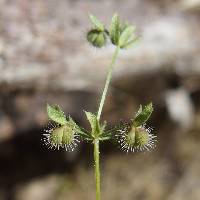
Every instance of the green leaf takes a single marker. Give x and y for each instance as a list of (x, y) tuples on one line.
[(56, 114), (126, 36), (104, 135), (143, 114), (131, 43), (115, 29), (78, 129), (95, 127), (97, 24), (124, 26)]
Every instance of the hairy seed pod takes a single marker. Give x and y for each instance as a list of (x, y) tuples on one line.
[(144, 139), (141, 137), (96, 37), (61, 137), (133, 138), (130, 137)]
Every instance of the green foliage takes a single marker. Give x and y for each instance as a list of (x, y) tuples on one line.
[(143, 114), (126, 34), (97, 130), (56, 114), (98, 25), (79, 130), (120, 34), (127, 38), (94, 123), (115, 29)]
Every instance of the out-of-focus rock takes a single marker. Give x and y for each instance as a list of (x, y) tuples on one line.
[(188, 186), (180, 107), (190, 4), (6, 128), (40, 189), (44, 44)]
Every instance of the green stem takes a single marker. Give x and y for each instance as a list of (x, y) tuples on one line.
[(96, 140), (97, 169), (108, 79)]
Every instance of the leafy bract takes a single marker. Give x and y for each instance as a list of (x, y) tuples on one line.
[(56, 114), (96, 23), (126, 35), (94, 123), (143, 114), (115, 29)]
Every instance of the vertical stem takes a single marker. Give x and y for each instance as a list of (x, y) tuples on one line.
[(108, 79), (97, 169), (96, 140)]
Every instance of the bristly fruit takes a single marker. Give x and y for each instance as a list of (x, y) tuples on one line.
[(134, 136), (136, 139), (61, 137), (63, 132)]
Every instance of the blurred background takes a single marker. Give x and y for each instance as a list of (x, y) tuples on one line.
[(44, 57)]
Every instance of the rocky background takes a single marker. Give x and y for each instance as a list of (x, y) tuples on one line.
[(44, 57)]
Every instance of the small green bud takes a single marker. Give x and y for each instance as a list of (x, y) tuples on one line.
[(61, 137), (97, 38)]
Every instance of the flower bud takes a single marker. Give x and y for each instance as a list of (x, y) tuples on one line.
[(96, 37), (61, 137)]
